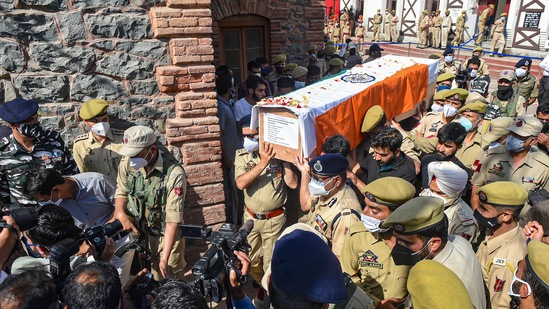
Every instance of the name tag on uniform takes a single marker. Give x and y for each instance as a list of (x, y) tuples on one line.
[(499, 261), (321, 223), (527, 179)]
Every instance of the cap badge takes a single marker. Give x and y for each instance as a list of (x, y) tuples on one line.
[(505, 72), (370, 196), (456, 96), (519, 122), (482, 197), (399, 227), (126, 138), (527, 63), (318, 166)]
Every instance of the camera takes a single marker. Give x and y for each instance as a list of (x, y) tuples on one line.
[(212, 270), (60, 255), (461, 78), (146, 285), (25, 218), (96, 235)]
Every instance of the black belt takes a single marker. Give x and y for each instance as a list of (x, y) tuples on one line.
[(498, 31), (444, 26)]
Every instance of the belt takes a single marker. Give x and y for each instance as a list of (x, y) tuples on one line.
[(498, 31), (437, 26), (266, 216), (444, 26)]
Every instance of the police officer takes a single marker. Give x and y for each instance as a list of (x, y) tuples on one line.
[(421, 228), (394, 22), (509, 102), (279, 63), (517, 161), (372, 123), (387, 26), (336, 34), (346, 31), (527, 84), (98, 150), (151, 187), (504, 246), (449, 64), (482, 23), (471, 118), (446, 27), (483, 68), (29, 146), (333, 205), (460, 26), (360, 30), (436, 32), (265, 182), (497, 34), (378, 19), (366, 254)]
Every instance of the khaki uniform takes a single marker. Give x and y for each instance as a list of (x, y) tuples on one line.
[(175, 185), (468, 153), (335, 216), (453, 67), (429, 125), (378, 19), (436, 32), (458, 256), (359, 32), (499, 258), (528, 87), (497, 35), (460, 26), (461, 221), (388, 17), (482, 69), (481, 24), (336, 35), (419, 29), (446, 27), (366, 257), (431, 34), (424, 31), (394, 32), (346, 32), (266, 194), (496, 165), (515, 106), (93, 156)]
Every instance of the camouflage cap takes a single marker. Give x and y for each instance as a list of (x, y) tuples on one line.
[(401, 191), (502, 193), (416, 215)]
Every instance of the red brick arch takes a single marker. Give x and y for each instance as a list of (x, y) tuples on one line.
[(222, 8)]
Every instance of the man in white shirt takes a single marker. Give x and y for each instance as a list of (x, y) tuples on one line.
[(255, 92), (543, 97)]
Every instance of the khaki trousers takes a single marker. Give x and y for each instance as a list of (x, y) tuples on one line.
[(480, 26), (498, 37), (436, 38), (387, 32), (444, 39), (377, 28), (394, 34), (459, 37), (176, 261)]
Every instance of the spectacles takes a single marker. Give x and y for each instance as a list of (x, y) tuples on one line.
[(516, 287), (29, 247)]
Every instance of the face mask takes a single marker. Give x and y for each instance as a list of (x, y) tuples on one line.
[(504, 88), (101, 128), (486, 222), (437, 108), (313, 55), (250, 144), (448, 59), (449, 110), (473, 73), (503, 19), (372, 224), (519, 282), (466, 123), (58, 202), (316, 188), (475, 55), (279, 70), (31, 130), (299, 84), (137, 163), (443, 87), (265, 71), (514, 144), (494, 145), (428, 192), (520, 72), (404, 256)]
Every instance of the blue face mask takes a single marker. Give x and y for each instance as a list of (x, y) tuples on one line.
[(299, 84), (514, 144), (443, 87), (466, 123), (265, 71)]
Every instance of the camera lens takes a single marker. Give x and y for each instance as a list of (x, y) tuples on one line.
[(24, 217)]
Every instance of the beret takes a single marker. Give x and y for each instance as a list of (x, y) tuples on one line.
[(401, 191), (463, 11), (329, 50), (289, 67), (433, 285), (526, 126), (447, 11), (491, 6), (311, 47), (497, 128), (440, 95), (329, 164), (375, 47), (416, 215), (508, 75), (478, 48), (523, 62), (502, 193), (536, 261), (299, 72), (18, 110), (448, 51), (372, 118), (445, 76), (393, 11), (457, 94), (335, 62), (295, 265), (280, 58), (93, 108), (475, 106)]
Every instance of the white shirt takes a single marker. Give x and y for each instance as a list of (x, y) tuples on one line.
[(241, 108), (544, 64)]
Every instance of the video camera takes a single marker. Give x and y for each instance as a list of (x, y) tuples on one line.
[(60, 255), (213, 268), (461, 78), (96, 235), (145, 285), (25, 218)]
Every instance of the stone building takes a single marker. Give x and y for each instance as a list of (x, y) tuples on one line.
[(155, 61)]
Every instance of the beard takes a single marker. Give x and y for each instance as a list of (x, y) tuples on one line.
[(256, 97), (440, 156)]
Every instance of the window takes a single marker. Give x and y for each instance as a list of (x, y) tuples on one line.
[(242, 38)]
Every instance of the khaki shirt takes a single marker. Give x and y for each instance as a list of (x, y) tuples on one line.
[(378, 18), (484, 15), (388, 18), (268, 191), (528, 87), (461, 221), (499, 258), (468, 153), (359, 31), (482, 69), (346, 29), (460, 22), (498, 26), (333, 217), (336, 31), (453, 67), (91, 155), (176, 186), (458, 256), (438, 21), (394, 20), (366, 257), (429, 125)]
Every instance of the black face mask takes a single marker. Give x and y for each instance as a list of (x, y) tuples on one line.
[(504, 92), (545, 127), (31, 130), (377, 54), (279, 69), (486, 222), (404, 256)]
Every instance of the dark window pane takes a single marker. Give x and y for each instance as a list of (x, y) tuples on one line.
[(253, 44)]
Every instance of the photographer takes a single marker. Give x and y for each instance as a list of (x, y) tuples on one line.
[(89, 197), (54, 225), (542, 113), (28, 290), (178, 294)]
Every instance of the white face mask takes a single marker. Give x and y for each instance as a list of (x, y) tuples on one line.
[(520, 72), (316, 188), (58, 202), (299, 84), (449, 110), (101, 128), (447, 200), (473, 73), (448, 59), (437, 108), (137, 163), (257, 74), (250, 144), (372, 224)]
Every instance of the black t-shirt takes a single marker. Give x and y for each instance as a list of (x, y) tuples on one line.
[(431, 158), (402, 168)]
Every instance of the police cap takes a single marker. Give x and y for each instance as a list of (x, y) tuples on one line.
[(372, 118), (18, 110), (329, 164), (523, 62), (279, 58), (503, 194), (416, 215), (526, 126), (93, 108), (448, 51), (478, 49), (476, 106), (335, 62), (445, 76), (401, 191), (457, 94), (329, 50), (289, 67), (440, 95), (536, 261), (299, 72), (311, 47), (135, 139), (498, 127)]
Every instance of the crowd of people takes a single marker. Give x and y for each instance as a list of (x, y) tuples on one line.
[(445, 210)]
